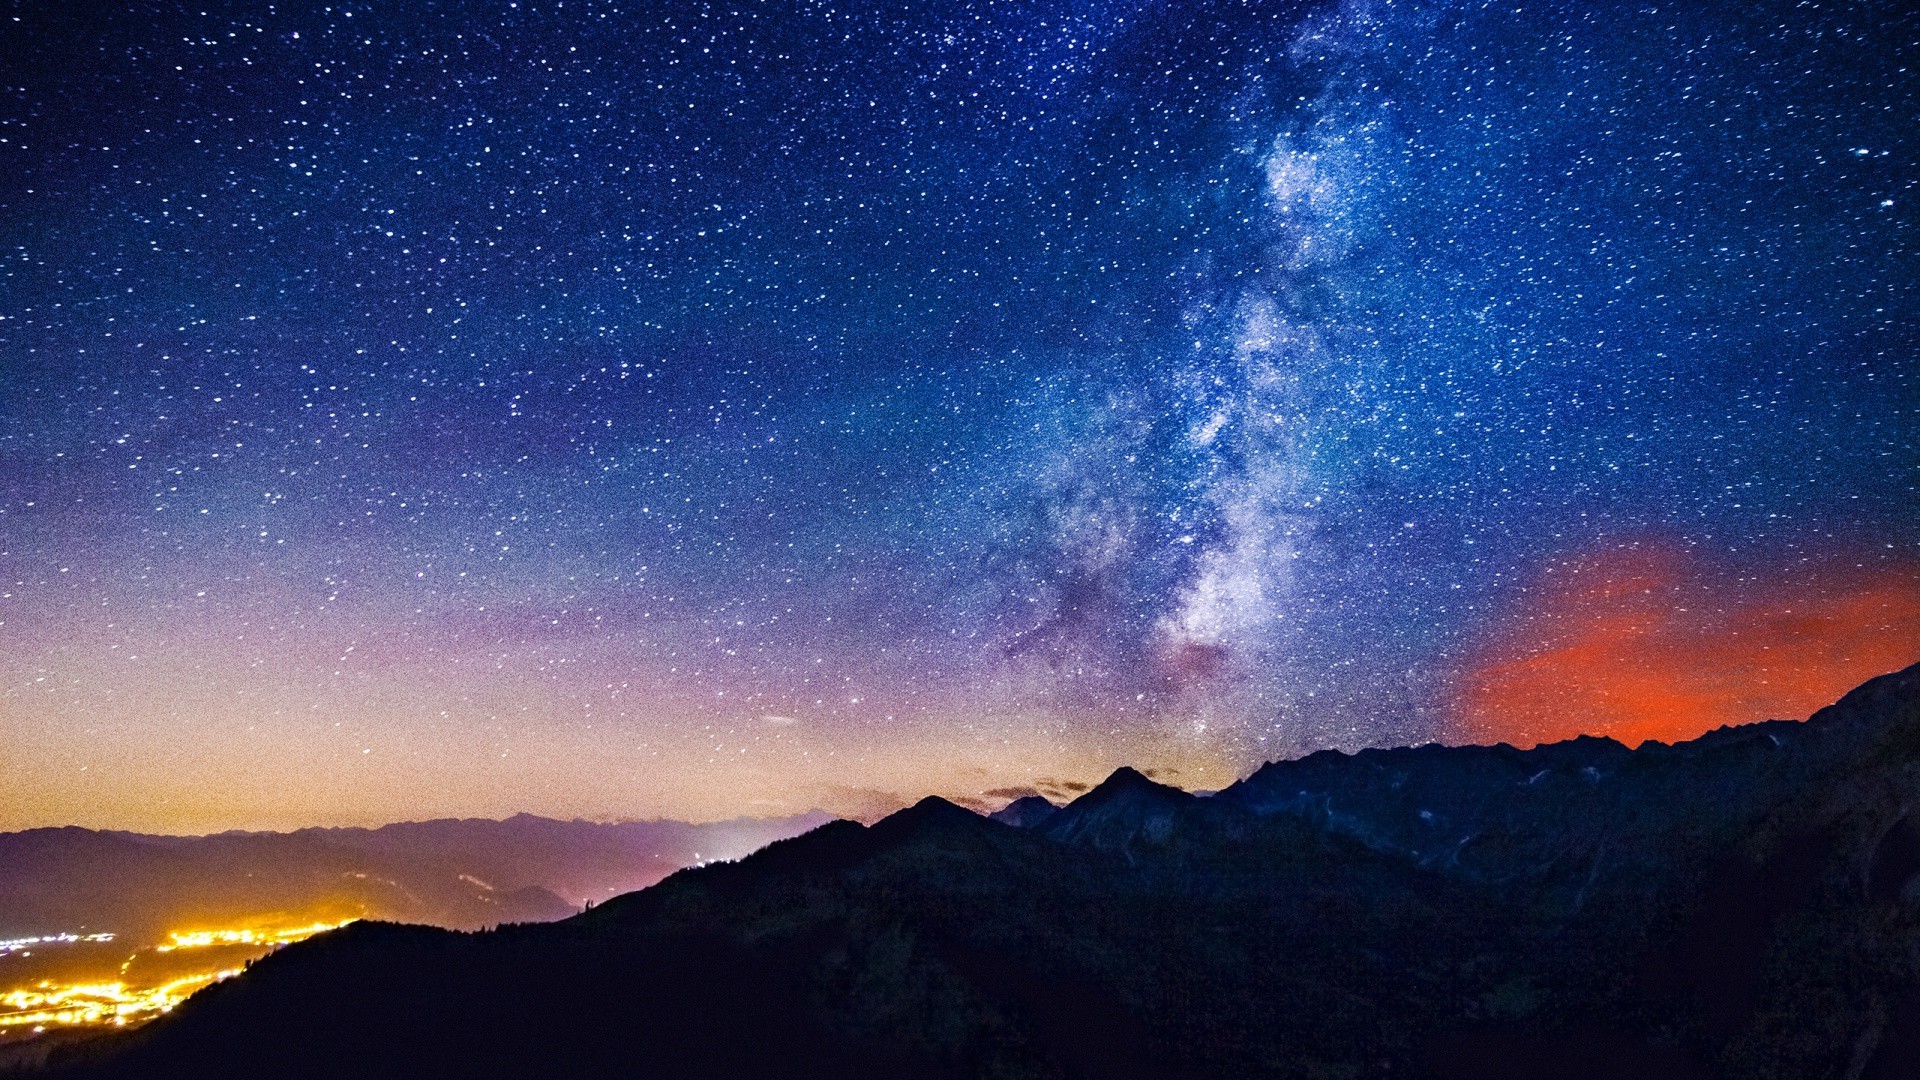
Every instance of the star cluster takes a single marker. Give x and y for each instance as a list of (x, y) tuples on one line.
[(697, 408)]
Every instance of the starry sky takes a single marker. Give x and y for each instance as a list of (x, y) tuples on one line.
[(699, 408)]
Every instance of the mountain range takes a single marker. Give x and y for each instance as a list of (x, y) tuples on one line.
[(455, 873), (1744, 905)]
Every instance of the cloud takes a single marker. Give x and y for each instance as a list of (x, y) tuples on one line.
[(1652, 644), (1010, 793)]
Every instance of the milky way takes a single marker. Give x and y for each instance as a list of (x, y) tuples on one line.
[(698, 408)]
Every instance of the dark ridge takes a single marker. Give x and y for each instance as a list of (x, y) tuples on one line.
[(932, 812), (1122, 812)]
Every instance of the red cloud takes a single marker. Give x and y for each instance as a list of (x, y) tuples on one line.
[(1651, 645)]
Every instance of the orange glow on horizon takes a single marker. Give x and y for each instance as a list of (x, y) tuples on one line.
[(1650, 645)]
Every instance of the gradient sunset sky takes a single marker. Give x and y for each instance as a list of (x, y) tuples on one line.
[(700, 409)]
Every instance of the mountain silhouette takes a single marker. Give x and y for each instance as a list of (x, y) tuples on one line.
[(1744, 905), (1025, 812), (456, 873)]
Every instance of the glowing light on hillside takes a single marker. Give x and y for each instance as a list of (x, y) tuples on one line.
[(50, 1004), (200, 939)]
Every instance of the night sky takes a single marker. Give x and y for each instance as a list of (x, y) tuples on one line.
[(699, 409)]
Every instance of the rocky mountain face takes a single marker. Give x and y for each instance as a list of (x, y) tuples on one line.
[(1746, 905)]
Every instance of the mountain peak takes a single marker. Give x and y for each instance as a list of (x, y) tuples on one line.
[(930, 812), (1125, 807), (1127, 780), (1025, 812), (1129, 785)]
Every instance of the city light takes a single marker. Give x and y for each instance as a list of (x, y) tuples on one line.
[(200, 939), (50, 1003), (27, 944)]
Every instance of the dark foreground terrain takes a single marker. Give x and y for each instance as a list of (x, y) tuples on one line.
[(1744, 905)]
